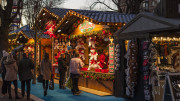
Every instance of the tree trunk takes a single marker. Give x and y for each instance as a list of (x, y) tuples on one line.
[(3, 38)]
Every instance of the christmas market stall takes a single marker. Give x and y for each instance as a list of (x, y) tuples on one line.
[(90, 33), (25, 37), (149, 51)]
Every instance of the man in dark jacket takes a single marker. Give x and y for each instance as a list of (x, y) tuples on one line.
[(4, 85), (62, 70), (25, 70)]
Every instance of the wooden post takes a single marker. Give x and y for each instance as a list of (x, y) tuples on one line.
[(52, 50), (35, 52)]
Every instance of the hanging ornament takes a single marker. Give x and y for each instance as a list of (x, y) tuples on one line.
[(50, 26)]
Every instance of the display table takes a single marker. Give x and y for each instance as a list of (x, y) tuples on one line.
[(102, 83)]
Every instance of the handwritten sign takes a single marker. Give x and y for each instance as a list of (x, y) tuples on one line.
[(172, 88), (86, 26), (111, 58)]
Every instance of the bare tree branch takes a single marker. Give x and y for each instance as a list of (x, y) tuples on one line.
[(99, 2)]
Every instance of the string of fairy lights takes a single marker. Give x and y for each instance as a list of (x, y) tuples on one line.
[(166, 39)]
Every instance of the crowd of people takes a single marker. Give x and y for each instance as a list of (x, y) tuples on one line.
[(69, 66), (11, 67)]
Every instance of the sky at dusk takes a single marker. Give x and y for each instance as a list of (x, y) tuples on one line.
[(74, 4)]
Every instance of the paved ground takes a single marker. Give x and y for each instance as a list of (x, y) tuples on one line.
[(6, 98), (62, 95)]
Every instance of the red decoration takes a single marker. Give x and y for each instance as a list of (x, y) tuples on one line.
[(50, 26)]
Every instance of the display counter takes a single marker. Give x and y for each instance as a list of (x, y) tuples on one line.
[(97, 80)]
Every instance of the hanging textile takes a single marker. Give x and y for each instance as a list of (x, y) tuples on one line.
[(132, 68)]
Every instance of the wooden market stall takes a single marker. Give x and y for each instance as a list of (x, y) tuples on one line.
[(89, 32), (150, 46), (25, 37)]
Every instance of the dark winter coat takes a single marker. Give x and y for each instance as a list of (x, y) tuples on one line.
[(24, 69), (68, 59), (62, 64)]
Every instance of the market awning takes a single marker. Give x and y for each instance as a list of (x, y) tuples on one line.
[(145, 23)]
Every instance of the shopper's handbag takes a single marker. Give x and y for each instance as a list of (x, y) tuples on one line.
[(51, 85), (40, 78)]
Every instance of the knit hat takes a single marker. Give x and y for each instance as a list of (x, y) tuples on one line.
[(69, 47), (5, 53)]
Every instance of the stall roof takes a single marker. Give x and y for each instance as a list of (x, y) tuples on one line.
[(31, 33), (100, 16), (145, 23), (26, 28)]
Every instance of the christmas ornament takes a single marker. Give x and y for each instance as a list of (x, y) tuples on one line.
[(50, 26)]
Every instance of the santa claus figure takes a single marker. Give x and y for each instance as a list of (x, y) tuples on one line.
[(80, 47), (93, 59), (92, 42)]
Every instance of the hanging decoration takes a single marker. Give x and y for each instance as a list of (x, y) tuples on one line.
[(117, 56), (80, 47), (93, 59), (92, 41), (111, 57), (50, 26), (154, 77), (76, 24), (56, 44), (146, 71), (132, 68)]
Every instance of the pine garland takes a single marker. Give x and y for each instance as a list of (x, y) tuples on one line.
[(97, 76)]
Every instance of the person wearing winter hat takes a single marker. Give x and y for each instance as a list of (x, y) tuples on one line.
[(4, 85), (11, 74)]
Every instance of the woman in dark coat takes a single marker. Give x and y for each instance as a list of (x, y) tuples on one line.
[(25, 70), (62, 70), (46, 72)]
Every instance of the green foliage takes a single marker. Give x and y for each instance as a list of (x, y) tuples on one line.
[(97, 76)]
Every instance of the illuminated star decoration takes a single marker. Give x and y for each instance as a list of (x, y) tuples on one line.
[(50, 26)]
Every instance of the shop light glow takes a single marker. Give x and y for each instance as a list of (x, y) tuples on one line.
[(44, 13), (59, 30)]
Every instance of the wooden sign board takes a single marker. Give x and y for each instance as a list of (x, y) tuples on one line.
[(172, 87)]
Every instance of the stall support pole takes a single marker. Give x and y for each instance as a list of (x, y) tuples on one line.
[(35, 52), (119, 84), (52, 50)]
